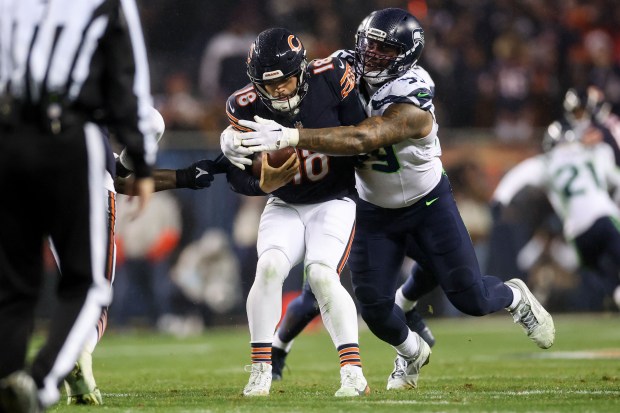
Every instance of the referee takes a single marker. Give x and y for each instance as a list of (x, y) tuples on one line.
[(66, 68)]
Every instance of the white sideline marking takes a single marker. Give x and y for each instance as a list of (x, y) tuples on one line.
[(495, 394), (610, 353), (575, 355)]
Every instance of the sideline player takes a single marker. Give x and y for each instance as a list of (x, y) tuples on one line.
[(80, 384), (404, 193), (311, 219), (577, 178)]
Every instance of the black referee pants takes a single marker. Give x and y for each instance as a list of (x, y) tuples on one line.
[(52, 185)]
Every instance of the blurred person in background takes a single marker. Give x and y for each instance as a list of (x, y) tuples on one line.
[(604, 68), (588, 108), (221, 68), (80, 384), (178, 105), (144, 246), (513, 78), (578, 178)]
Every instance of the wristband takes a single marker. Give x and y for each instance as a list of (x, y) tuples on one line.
[(185, 178)]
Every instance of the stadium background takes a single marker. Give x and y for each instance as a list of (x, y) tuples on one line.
[(501, 69)]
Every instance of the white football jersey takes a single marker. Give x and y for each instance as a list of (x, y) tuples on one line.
[(577, 179), (399, 175)]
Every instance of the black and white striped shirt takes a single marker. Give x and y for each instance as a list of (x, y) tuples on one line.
[(87, 54)]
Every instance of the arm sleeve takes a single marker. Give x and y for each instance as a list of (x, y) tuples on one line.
[(528, 172), (128, 98), (243, 183)]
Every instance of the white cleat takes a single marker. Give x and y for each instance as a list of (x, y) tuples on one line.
[(353, 382), (406, 372), (532, 316), (80, 383), (260, 380)]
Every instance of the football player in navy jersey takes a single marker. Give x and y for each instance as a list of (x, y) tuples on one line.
[(80, 384), (312, 217), (405, 195)]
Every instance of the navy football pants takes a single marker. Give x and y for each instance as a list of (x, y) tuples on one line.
[(438, 241)]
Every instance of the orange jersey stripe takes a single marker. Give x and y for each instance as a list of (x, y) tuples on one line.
[(347, 251)]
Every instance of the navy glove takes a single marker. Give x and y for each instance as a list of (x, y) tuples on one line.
[(121, 170), (199, 175)]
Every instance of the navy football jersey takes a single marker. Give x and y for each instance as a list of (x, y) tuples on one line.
[(331, 100)]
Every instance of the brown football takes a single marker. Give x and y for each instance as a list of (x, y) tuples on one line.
[(276, 159)]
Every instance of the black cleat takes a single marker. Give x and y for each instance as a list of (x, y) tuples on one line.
[(18, 394), (417, 324), (278, 356)]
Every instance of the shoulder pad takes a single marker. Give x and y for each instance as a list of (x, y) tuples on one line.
[(346, 55), (337, 71)]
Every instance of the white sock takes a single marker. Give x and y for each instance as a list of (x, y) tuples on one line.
[(404, 303), (409, 347), (281, 344), (515, 299)]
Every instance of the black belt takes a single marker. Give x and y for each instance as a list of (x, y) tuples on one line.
[(51, 118)]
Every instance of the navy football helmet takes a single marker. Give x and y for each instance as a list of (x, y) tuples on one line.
[(388, 42), (275, 55), (560, 132), (582, 105)]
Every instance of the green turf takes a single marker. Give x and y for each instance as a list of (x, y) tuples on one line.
[(478, 365)]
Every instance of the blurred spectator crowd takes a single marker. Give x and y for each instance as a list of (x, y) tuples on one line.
[(499, 64)]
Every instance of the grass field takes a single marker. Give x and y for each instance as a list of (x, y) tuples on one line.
[(478, 365)]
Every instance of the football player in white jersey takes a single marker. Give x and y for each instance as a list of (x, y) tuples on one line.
[(404, 195), (577, 179)]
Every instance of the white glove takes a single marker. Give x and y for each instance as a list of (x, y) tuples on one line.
[(230, 142), (269, 135)]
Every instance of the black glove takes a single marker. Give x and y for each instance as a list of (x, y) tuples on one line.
[(121, 170), (496, 210), (199, 175)]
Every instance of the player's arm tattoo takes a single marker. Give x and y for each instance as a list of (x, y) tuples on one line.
[(398, 122)]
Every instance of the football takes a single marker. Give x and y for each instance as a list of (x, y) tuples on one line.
[(276, 159)]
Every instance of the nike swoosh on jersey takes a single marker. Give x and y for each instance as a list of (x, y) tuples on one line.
[(428, 203), (422, 95)]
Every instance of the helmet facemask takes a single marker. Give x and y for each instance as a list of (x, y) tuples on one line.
[(286, 104), (388, 42), (376, 61)]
